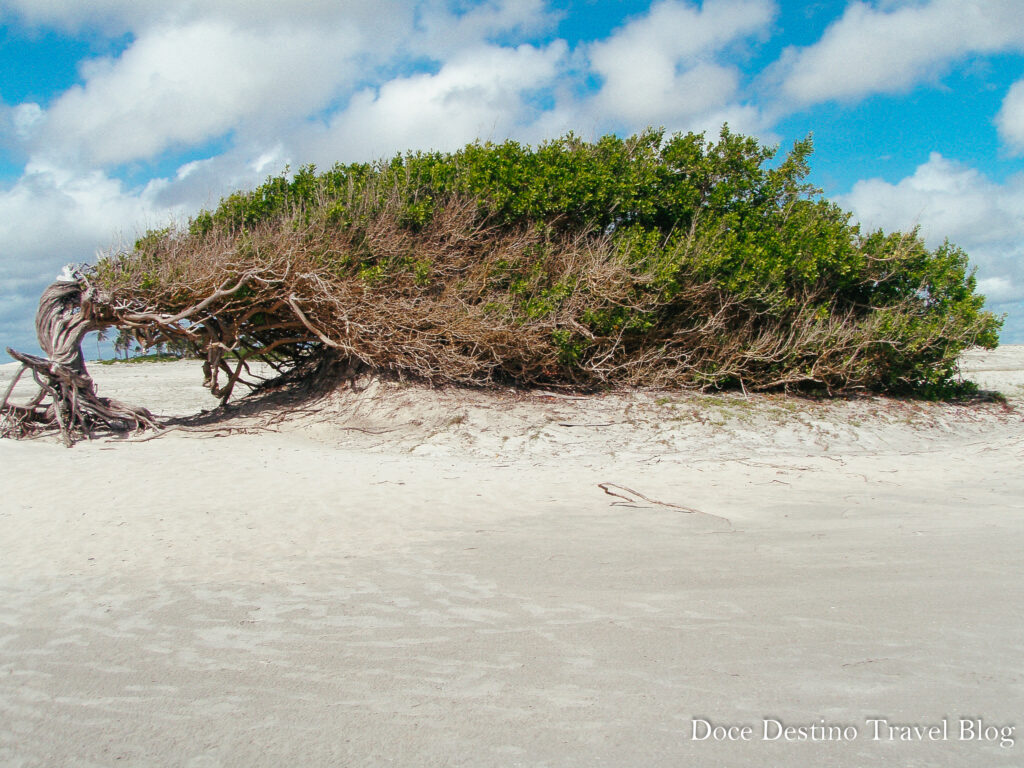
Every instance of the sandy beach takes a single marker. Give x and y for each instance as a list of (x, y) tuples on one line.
[(400, 576)]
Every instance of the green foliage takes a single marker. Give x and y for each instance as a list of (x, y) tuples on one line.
[(154, 357), (726, 221)]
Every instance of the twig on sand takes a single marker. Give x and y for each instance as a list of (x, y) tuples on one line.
[(606, 487), (199, 431)]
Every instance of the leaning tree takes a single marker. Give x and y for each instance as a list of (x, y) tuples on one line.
[(649, 261), (66, 398)]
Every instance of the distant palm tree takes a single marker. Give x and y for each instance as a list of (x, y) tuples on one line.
[(124, 342), (100, 336)]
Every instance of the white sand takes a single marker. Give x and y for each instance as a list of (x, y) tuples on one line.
[(420, 578)]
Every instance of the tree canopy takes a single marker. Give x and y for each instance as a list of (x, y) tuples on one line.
[(654, 260)]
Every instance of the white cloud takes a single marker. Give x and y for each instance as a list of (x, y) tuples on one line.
[(744, 119), (255, 69), (177, 86), (660, 68), (119, 16), (16, 328), (70, 15), (482, 93), (25, 117), (947, 199), (443, 30), (1010, 119), (51, 217), (202, 183), (434, 28), (890, 49)]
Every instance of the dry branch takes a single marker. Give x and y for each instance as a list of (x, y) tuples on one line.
[(634, 495)]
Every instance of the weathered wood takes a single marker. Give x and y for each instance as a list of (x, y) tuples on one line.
[(66, 401)]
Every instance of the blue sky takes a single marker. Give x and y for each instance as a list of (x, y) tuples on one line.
[(121, 115)]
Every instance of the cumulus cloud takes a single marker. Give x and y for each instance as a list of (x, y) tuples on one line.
[(949, 200), (120, 16), (16, 311), (177, 86), (25, 117), (51, 217), (252, 69), (202, 183), (418, 27), (890, 49), (1010, 119), (661, 68), (442, 30), (484, 93)]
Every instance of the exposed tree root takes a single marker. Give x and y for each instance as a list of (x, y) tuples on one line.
[(66, 399)]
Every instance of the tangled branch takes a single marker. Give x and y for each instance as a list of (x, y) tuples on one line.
[(66, 398), (389, 270)]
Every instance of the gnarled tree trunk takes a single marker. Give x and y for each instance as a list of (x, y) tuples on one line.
[(66, 399)]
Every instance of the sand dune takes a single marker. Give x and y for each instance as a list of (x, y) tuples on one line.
[(414, 577)]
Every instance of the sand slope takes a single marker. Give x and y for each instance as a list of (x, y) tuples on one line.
[(407, 577)]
